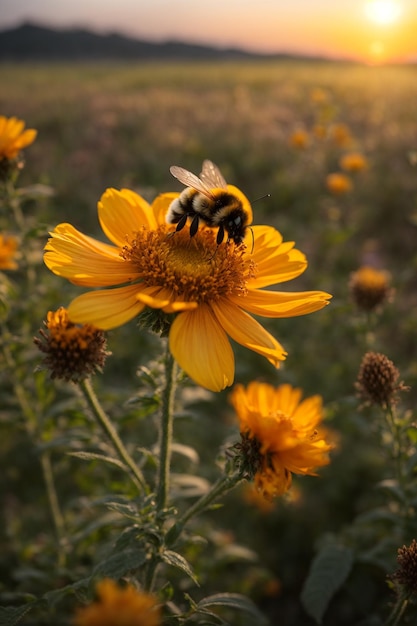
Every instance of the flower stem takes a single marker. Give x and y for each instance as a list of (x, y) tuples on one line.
[(32, 429), (398, 611), (111, 432), (221, 487), (166, 428), (54, 504)]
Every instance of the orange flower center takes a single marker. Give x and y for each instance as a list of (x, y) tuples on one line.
[(194, 268)]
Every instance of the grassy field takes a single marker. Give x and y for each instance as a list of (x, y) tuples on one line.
[(114, 125)]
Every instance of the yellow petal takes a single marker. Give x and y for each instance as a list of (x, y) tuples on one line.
[(162, 298), (86, 261), (248, 332), (281, 304), (161, 205), (26, 138), (276, 261), (106, 309), (202, 349), (123, 213)]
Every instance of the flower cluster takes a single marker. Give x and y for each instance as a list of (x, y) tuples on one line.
[(209, 291), (73, 352), (280, 435)]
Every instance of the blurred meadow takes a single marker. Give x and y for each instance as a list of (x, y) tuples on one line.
[(275, 129)]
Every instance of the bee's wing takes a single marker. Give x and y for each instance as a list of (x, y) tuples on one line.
[(212, 176), (191, 180)]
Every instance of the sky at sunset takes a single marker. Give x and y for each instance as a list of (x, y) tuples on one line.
[(370, 30)]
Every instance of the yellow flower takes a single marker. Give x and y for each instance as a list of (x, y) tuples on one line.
[(299, 139), (319, 96), (353, 162), (13, 137), (338, 183), (319, 131), (72, 352), (117, 606), (8, 251), (370, 287), (279, 434), (211, 289)]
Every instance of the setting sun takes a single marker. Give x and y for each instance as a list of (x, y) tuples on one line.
[(383, 12)]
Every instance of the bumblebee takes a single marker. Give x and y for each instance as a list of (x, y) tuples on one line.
[(209, 199)]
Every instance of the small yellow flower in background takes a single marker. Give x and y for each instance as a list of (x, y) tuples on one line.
[(353, 162), (319, 95), (13, 137), (300, 139), (340, 135), (280, 435), (377, 381), (209, 290), (370, 288), (320, 131), (8, 252), (338, 183), (73, 352), (117, 606)]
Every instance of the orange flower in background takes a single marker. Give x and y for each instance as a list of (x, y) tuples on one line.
[(209, 290), (8, 252), (119, 606), (13, 137), (353, 162), (300, 139), (319, 96), (340, 135), (280, 434), (338, 183), (370, 288)]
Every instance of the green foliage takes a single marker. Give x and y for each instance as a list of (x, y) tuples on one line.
[(329, 570)]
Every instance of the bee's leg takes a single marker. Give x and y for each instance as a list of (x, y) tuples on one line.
[(181, 222), (220, 235), (194, 225)]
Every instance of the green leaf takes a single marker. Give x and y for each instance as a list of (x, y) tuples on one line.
[(92, 456), (11, 615), (176, 560), (187, 451), (36, 191), (79, 589), (188, 485), (329, 570), (120, 564), (233, 601)]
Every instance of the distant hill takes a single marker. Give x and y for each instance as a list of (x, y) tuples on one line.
[(33, 42)]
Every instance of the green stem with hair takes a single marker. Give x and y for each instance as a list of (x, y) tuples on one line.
[(220, 488), (108, 428), (166, 429)]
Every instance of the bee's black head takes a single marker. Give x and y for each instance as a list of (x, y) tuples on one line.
[(235, 225)]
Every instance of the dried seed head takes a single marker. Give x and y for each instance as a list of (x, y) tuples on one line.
[(377, 380), (406, 574), (73, 352)]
